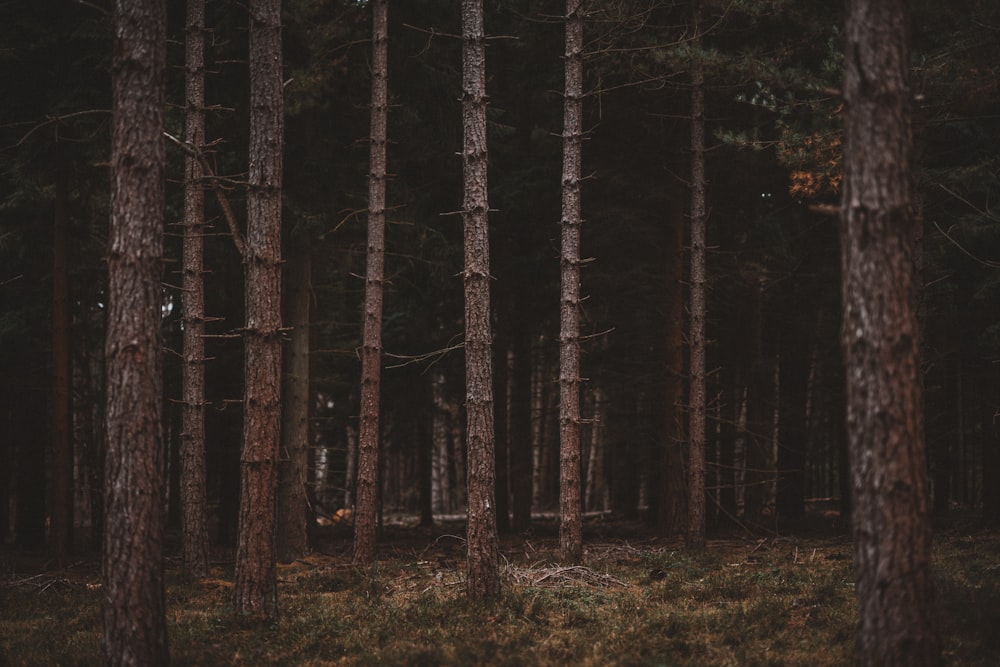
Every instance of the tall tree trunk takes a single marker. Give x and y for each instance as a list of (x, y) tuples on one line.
[(61, 512), (695, 538), (255, 591), (483, 580), (441, 488), (135, 628), (570, 513), (880, 338), (425, 452), (194, 527), (293, 470), (597, 487), (371, 357)]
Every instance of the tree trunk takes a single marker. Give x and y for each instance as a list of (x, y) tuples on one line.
[(135, 629), (570, 513), (293, 470), (880, 338), (483, 580), (441, 488), (597, 487), (425, 452), (371, 356), (61, 512), (255, 592), (194, 529), (695, 538)]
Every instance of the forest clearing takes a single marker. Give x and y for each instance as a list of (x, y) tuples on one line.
[(635, 600)]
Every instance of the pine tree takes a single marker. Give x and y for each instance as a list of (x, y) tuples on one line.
[(255, 591), (695, 538), (570, 518), (135, 624), (194, 527), (880, 338), (366, 517), (483, 580)]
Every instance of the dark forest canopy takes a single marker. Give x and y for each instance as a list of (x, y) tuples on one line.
[(774, 381)]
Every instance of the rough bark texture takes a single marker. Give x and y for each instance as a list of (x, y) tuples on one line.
[(135, 630), (255, 587), (483, 553), (570, 513), (194, 528), (293, 471), (880, 337), (366, 517), (695, 538)]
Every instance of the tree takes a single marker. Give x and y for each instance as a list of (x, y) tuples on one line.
[(695, 538), (483, 580), (371, 357), (135, 628), (194, 528), (880, 336), (570, 517), (256, 588), (293, 503)]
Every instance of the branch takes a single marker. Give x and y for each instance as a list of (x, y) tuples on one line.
[(59, 119), (220, 196), (417, 358), (984, 262)]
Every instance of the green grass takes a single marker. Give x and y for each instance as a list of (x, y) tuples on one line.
[(741, 602)]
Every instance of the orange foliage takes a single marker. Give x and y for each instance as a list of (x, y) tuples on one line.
[(815, 161)]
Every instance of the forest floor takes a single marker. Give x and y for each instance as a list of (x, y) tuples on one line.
[(637, 599)]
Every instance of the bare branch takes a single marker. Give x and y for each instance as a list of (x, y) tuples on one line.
[(220, 196)]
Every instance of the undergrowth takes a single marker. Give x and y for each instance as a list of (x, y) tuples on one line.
[(741, 602)]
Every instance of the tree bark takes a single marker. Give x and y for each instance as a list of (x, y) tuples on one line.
[(483, 580), (194, 529), (880, 338), (135, 629), (366, 516), (293, 470), (570, 513), (695, 538), (255, 586)]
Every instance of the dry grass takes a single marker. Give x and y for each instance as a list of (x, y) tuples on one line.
[(631, 602)]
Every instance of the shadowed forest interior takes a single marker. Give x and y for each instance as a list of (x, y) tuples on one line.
[(774, 379)]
